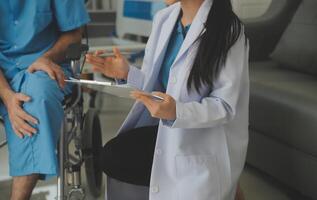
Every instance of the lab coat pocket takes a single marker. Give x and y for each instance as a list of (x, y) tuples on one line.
[(197, 177)]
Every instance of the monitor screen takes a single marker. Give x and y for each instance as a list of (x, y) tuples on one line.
[(142, 9)]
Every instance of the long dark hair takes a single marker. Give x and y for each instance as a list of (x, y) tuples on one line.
[(222, 30)]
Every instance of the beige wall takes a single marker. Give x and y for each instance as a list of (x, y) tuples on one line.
[(244, 8), (251, 8)]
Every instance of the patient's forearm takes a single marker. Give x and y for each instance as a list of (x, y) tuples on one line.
[(5, 89), (58, 52)]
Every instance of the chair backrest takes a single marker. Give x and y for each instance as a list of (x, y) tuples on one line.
[(264, 32), (297, 49)]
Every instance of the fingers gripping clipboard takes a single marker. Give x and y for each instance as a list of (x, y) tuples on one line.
[(112, 88)]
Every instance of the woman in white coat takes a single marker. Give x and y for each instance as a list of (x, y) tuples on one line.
[(196, 59)]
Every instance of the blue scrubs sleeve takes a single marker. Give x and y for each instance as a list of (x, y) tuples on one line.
[(70, 14)]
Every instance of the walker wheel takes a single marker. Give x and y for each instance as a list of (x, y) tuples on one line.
[(92, 146)]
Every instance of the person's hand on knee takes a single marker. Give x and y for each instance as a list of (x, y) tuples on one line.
[(20, 120), (53, 70)]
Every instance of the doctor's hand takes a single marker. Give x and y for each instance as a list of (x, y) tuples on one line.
[(116, 66), (20, 120), (53, 70), (165, 109)]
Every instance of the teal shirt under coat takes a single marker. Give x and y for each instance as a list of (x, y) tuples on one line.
[(175, 44)]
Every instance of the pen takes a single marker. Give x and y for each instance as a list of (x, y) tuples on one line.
[(124, 53), (155, 97)]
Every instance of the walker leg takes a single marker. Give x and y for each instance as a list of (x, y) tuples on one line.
[(61, 177)]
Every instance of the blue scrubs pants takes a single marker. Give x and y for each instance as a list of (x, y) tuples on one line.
[(37, 154)]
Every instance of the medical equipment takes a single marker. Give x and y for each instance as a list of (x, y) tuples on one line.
[(133, 18), (80, 140), (140, 13)]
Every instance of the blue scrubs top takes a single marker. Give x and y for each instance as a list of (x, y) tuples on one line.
[(30, 28), (174, 45)]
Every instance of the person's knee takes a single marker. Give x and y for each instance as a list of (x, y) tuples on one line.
[(40, 86), (46, 98)]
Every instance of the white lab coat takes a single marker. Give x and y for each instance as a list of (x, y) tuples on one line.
[(201, 155)]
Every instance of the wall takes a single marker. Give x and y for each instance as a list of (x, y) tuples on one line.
[(251, 8), (105, 5)]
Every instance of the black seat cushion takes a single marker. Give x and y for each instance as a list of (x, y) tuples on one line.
[(283, 105), (297, 48)]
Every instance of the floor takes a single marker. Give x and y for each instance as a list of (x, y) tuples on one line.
[(256, 185)]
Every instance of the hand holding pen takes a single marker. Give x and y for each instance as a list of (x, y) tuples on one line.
[(163, 106)]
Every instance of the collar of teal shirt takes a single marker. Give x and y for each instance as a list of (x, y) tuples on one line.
[(181, 28)]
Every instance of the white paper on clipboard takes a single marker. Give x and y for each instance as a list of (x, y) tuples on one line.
[(120, 90), (90, 82)]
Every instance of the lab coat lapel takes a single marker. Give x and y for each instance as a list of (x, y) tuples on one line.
[(162, 43), (196, 29), (166, 32)]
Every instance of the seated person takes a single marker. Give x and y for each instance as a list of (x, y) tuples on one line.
[(34, 37)]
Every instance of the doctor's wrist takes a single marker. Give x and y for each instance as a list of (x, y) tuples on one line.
[(123, 75)]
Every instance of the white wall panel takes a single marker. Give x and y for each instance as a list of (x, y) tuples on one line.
[(244, 8), (251, 8)]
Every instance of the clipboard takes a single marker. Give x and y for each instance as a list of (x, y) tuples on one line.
[(90, 82), (110, 87)]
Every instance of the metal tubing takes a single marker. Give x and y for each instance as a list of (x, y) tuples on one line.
[(2, 144), (61, 177), (64, 143), (75, 65)]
